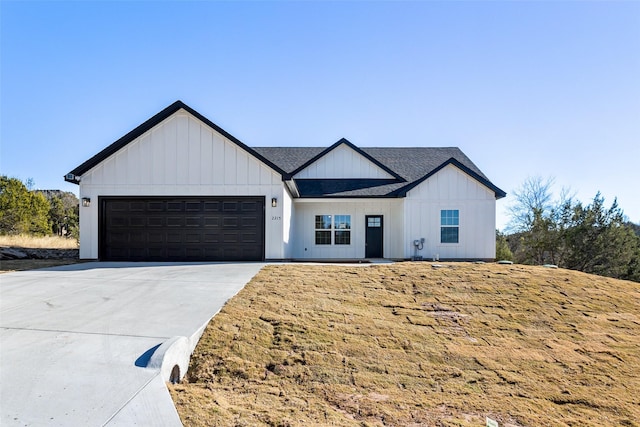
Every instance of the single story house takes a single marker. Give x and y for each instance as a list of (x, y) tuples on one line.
[(180, 188)]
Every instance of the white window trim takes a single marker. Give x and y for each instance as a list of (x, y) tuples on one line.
[(449, 226), (333, 231)]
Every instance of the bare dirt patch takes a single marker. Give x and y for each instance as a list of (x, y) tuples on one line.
[(7, 266), (409, 345)]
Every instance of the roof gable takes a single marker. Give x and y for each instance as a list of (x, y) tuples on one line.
[(402, 192), (340, 151), (73, 176)]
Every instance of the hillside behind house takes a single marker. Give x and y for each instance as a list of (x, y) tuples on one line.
[(408, 344)]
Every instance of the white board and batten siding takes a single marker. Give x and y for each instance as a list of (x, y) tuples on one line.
[(182, 156), (451, 188), (306, 210), (343, 162)]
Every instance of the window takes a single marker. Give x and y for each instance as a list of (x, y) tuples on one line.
[(374, 222), (323, 229), (449, 226), (342, 225), (336, 226)]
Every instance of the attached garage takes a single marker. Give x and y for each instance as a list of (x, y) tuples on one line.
[(223, 228)]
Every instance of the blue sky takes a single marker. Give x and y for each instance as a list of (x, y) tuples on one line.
[(523, 88)]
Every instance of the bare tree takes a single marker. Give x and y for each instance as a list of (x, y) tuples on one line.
[(533, 199)]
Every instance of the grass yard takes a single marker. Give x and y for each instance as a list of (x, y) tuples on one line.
[(410, 345), (38, 242)]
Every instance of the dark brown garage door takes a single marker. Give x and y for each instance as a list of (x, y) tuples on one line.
[(181, 228)]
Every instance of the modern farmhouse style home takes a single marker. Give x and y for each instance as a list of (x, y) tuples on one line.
[(180, 188)]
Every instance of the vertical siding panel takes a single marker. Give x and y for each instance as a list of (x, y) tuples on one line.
[(134, 162), (218, 159), (118, 168), (146, 161), (194, 149), (265, 175), (181, 141), (229, 163), (253, 174), (241, 167), (206, 172), (158, 173), (109, 169), (170, 151)]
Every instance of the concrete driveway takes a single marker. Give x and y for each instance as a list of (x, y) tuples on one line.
[(93, 344)]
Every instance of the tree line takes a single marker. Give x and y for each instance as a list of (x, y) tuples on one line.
[(591, 238), (36, 212)]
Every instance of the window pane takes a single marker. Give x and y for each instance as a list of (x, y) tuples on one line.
[(323, 237), (373, 222), (343, 238), (323, 222), (342, 222), (450, 217), (448, 234)]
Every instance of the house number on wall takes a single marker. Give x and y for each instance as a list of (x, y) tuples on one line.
[(276, 218)]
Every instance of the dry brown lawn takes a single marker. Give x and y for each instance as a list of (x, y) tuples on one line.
[(35, 242), (38, 242), (407, 344)]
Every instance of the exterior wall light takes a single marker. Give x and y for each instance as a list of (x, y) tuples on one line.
[(274, 202), (86, 202)]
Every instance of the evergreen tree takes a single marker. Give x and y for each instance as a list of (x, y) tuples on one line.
[(503, 252), (592, 239), (22, 211)]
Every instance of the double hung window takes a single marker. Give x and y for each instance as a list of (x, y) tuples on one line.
[(333, 229), (449, 226)]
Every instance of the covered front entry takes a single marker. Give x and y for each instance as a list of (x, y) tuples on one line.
[(374, 236), (219, 228)]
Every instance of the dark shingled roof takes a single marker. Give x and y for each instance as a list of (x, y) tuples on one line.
[(408, 166), (412, 165)]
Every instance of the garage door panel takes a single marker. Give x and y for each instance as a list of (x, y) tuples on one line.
[(157, 253), (155, 206), (182, 229), (136, 206), (249, 222), (230, 222), (155, 222), (193, 221), (211, 238), (230, 206), (211, 221), (250, 207), (173, 237), (193, 238), (137, 221), (155, 237), (212, 206), (230, 237)]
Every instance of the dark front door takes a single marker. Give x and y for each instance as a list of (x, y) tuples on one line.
[(373, 238), (181, 228)]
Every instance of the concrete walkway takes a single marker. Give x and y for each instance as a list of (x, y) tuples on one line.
[(82, 345)]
